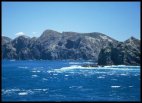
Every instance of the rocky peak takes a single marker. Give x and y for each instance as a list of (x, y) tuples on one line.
[(21, 42), (48, 36), (133, 42), (49, 32), (22, 37), (132, 39), (5, 40)]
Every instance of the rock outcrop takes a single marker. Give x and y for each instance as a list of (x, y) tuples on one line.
[(53, 45), (5, 40), (126, 53)]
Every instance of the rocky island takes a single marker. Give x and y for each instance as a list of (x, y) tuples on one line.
[(53, 45)]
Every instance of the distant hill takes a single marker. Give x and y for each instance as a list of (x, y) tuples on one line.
[(53, 45)]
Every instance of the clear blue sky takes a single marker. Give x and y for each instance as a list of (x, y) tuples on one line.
[(119, 20)]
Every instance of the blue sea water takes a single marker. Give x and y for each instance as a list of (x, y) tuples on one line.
[(67, 80)]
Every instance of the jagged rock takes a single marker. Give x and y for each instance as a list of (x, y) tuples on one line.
[(89, 65), (72, 45), (127, 52), (8, 51), (5, 40)]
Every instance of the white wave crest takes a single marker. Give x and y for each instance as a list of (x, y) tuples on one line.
[(124, 74), (77, 87), (18, 91), (72, 67), (34, 76), (68, 68), (36, 71), (44, 79), (101, 77), (130, 86), (40, 90), (88, 62), (114, 79), (55, 74), (23, 93), (115, 86)]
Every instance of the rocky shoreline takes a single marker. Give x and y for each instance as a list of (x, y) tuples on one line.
[(53, 45)]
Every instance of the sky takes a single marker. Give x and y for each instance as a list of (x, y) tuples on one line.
[(119, 20)]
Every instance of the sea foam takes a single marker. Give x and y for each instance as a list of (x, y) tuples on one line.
[(115, 86), (23, 93)]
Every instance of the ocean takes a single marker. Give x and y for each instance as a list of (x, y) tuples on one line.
[(67, 80)]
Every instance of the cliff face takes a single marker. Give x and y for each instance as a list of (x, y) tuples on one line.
[(127, 52), (54, 45), (72, 45)]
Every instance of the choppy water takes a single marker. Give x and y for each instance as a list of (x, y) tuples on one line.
[(68, 81)]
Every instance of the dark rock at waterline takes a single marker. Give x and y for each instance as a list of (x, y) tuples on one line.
[(127, 53), (89, 65)]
